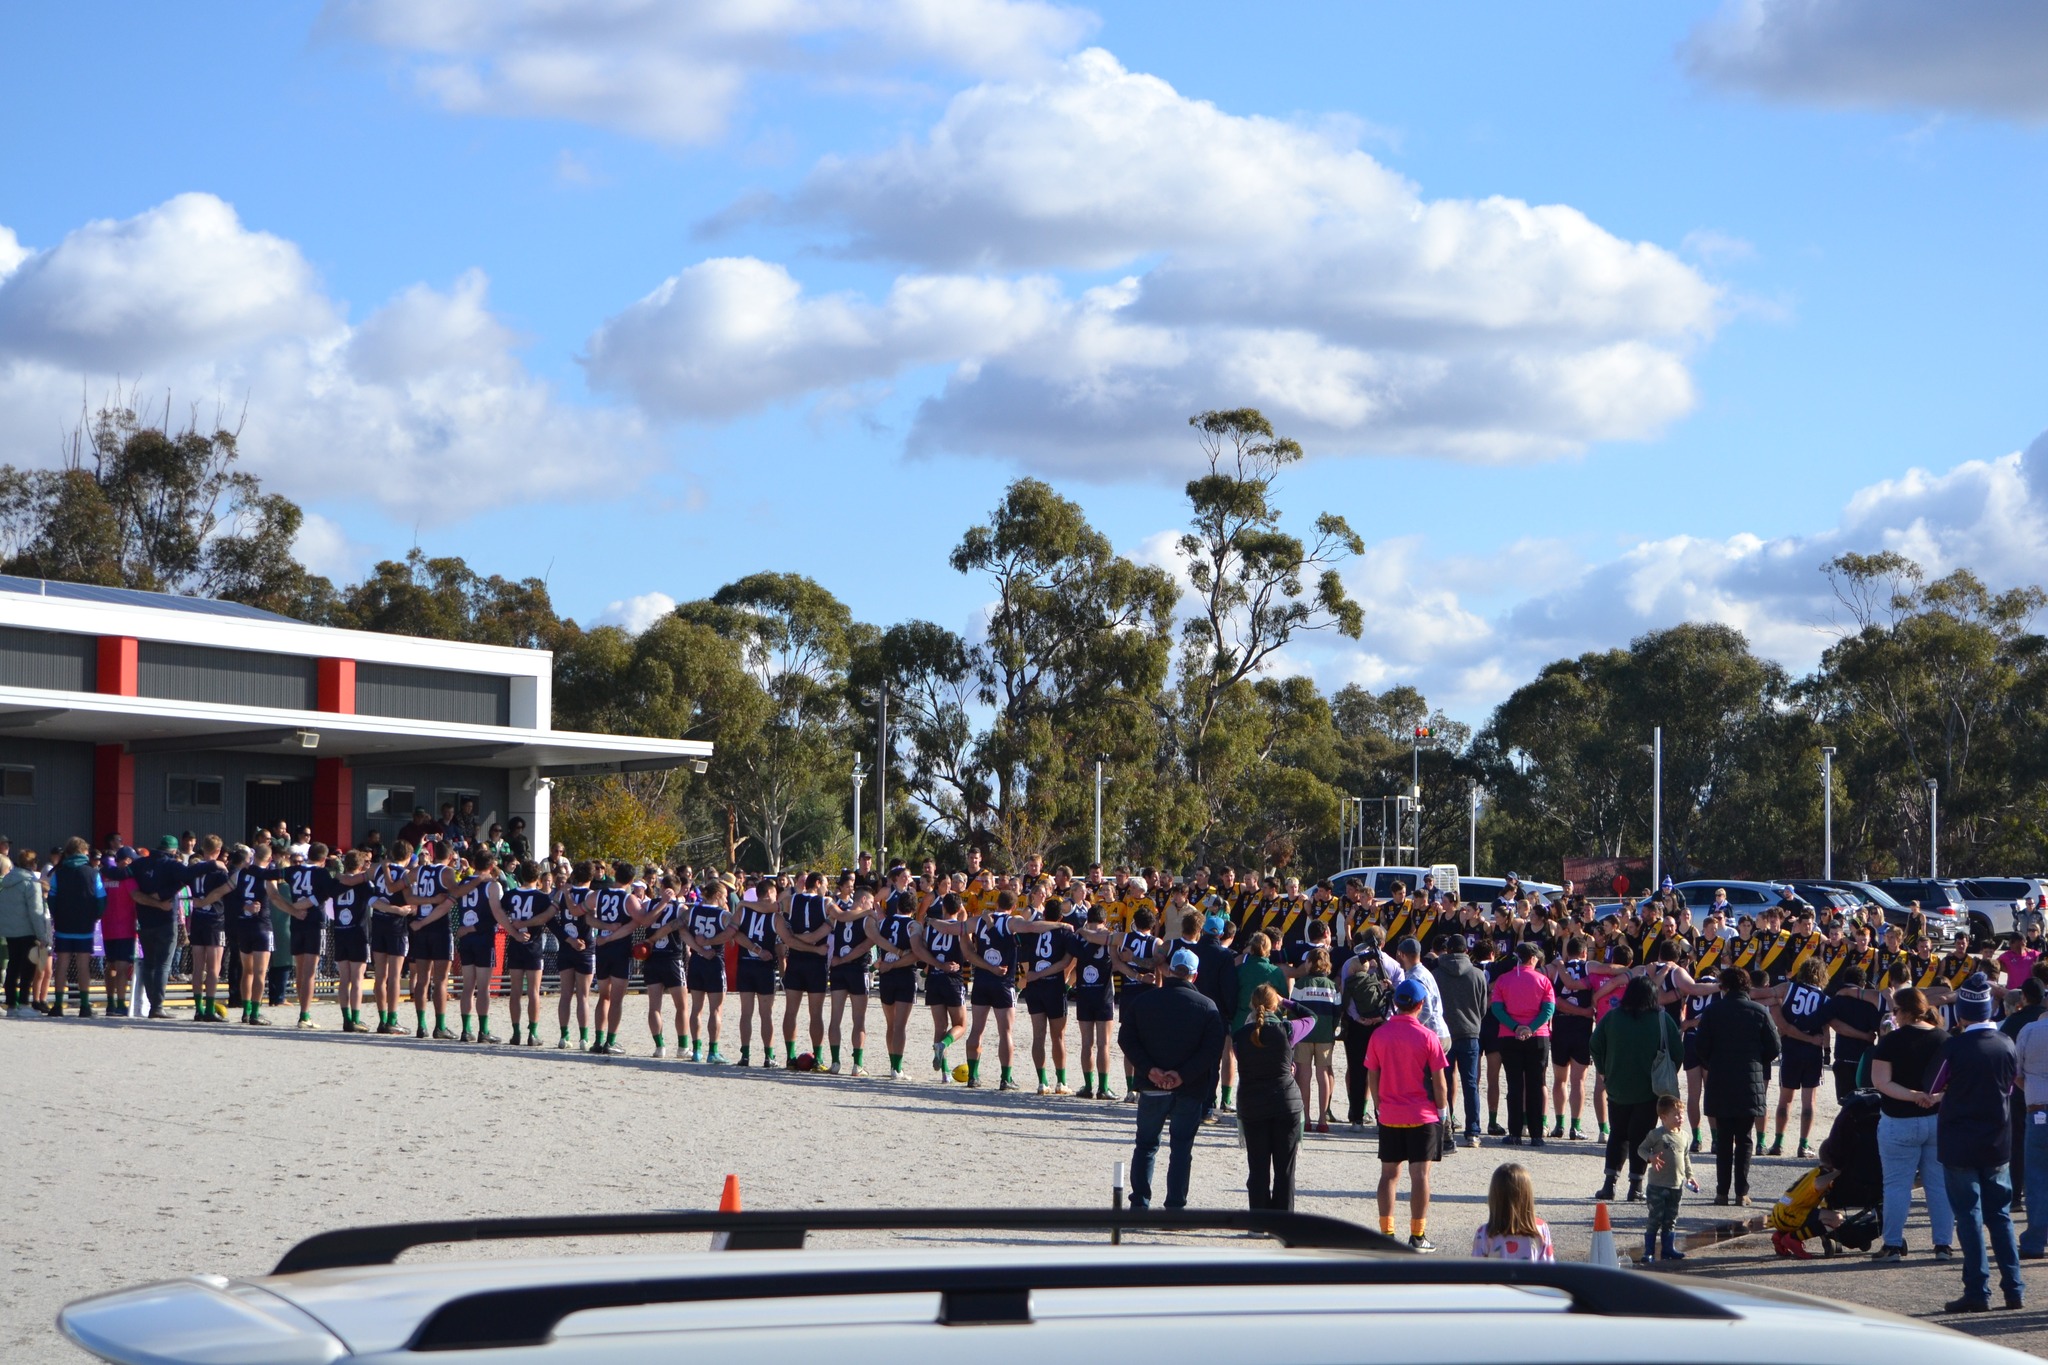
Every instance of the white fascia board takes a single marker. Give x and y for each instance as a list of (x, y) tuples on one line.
[(30, 612)]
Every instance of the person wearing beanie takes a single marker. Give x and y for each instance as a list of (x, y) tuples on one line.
[(1974, 1076)]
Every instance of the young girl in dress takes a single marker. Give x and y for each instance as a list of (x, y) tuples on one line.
[(1512, 1231)]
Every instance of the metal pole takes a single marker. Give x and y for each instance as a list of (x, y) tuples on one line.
[(1415, 798), (1933, 829), (1383, 832), (857, 776), (882, 781), (1116, 1202), (1656, 808), (1098, 811), (1472, 836), (1827, 812)]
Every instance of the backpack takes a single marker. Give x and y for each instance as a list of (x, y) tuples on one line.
[(1367, 992)]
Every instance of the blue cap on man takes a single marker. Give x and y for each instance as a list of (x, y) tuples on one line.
[(1184, 962)]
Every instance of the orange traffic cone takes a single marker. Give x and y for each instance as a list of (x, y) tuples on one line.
[(1603, 1238), (729, 1198)]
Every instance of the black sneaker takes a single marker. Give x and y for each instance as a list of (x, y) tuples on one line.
[(2015, 1302), (1943, 1252), (1420, 1243), (1889, 1254), (1495, 1130), (85, 1011), (1967, 1305)]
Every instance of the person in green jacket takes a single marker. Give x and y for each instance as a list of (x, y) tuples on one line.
[(1256, 969), (1625, 1046)]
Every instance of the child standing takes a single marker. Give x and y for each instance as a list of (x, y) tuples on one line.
[(1670, 1176), (1512, 1231)]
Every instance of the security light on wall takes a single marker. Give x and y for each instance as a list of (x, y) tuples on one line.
[(309, 739), (699, 766)]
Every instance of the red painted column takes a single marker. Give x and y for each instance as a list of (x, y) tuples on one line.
[(333, 802), (336, 684), (113, 792), (113, 768), (118, 667)]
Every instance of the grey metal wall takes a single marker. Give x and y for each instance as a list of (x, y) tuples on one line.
[(153, 816), (48, 658), (236, 676), (433, 694), (426, 780), (63, 802)]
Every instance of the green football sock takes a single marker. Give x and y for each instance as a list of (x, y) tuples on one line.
[(835, 1054), (1041, 1075), (582, 1035), (973, 1068), (1007, 1081), (745, 1055), (657, 1040), (440, 1019), (1087, 1079), (304, 1015), (565, 1033), (1059, 1075), (1226, 1097), (856, 1056), (420, 1013), (895, 1061), (465, 1020)]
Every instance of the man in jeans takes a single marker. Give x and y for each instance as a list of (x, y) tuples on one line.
[(1974, 1077), (1464, 990), (1172, 1041), (2033, 1055)]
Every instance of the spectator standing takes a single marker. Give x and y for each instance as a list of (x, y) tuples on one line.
[(1670, 1163), (2033, 993), (1465, 993), (1404, 1067), (1523, 1001), (1625, 1046), (2032, 1049), (1736, 1042), (1269, 1117), (117, 929), (156, 880), (77, 900), (1902, 1068), (1409, 954), (1974, 1077), (1216, 977), (1366, 983), (1172, 1040), (25, 924), (1316, 991)]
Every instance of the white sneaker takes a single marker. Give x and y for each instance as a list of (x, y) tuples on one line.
[(660, 1052), (857, 1071), (1044, 1089), (832, 1070)]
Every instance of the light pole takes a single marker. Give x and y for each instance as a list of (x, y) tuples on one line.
[(1472, 836), (1933, 829), (1098, 808), (1827, 812), (882, 780), (859, 776), (1655, 749)]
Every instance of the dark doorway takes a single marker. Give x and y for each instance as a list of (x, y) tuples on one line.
[(271, 799)]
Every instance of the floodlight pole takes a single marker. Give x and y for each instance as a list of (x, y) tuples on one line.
[(1827, 812)]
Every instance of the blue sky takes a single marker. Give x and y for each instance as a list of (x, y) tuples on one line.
[(1592, 317)]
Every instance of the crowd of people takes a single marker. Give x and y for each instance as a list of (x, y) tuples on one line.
[(1651, 1028)]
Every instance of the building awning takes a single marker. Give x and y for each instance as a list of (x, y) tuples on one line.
[(145, 725)]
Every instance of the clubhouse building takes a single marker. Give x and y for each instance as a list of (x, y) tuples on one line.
[(149, 714)]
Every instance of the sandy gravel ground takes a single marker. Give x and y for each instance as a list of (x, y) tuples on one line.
[(140, 1151)]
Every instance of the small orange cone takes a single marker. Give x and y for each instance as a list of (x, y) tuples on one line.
[(729, 1198), (1602, 1252)]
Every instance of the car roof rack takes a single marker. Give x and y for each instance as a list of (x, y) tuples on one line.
[(784, 1230), (1001, 1294)]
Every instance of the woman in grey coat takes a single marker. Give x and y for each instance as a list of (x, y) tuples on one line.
[(24, 923)]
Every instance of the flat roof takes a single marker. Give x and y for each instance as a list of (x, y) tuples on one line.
[(136, 597), (147, 725)]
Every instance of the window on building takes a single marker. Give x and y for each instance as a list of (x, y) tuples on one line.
[(390, 803), (187, 792), (18, 784)]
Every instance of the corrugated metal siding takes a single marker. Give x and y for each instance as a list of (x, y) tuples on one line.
[(234, 676), (433, 694), (63, 801), (48, 658)]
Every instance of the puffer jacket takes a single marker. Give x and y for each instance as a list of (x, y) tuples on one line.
[(1736, 1042), (77, 896), (22, 914)]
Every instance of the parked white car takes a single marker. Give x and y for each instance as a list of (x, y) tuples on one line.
[(1335, 1295), (2004, 903)]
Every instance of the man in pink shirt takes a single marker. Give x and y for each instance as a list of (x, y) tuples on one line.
[(1523, 1003), (1404, 1070)]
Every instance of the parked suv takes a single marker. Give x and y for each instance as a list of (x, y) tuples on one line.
[(1945, 923), (1997, 902), (1943, 895)]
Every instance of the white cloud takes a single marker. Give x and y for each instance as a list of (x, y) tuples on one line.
[(1983, 515), (422, 399), (674, 72), (1269, 264), (323, 547), (636, 614), (1973, 56)]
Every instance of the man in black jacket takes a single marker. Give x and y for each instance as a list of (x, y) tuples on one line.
[(1973, 1137), (1736, 1042), (1216, 978), (1172, 1041), (1466, 995)]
